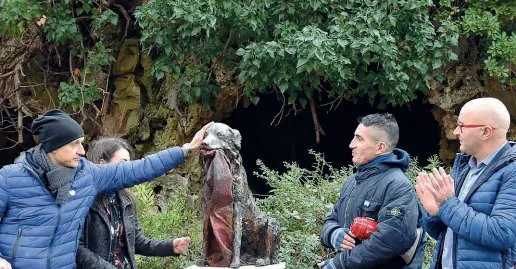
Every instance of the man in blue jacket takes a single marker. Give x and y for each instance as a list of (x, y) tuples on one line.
[(45, 196), (379, 190), (472, 212)]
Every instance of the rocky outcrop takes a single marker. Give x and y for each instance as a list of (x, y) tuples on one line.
[(462, 86), (125, 109)]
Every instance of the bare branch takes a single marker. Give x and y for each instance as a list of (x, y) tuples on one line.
[(318, 129), (127, 19), (105, 93), (10, 73), (71, 68), (337, 100), (11, 147), (280, 113)]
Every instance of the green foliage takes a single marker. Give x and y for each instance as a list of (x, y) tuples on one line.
[(302, 197), (301, 218), (490, 25), (106, 16), (15, 14), (194, 86), (98, 58), (78, 94), (145, 195), (501, 53), (60, 26), (176, 220), (194, 89), (385, 49)]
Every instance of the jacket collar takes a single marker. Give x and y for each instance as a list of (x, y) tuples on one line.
[(122, 198), (506, 155)]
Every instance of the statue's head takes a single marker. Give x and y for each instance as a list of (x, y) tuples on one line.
[(220, 152), (221, 136)]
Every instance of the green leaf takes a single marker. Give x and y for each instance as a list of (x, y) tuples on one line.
[(437, 63), (159, 40), (283, 87), (240, 52), (453, 57), (317, 42), (342, 43), (168, 49), (315, 4), (86, 7), (301, 62), (159, 75), (114, 20), (255, 100), (196, 91), (303, 102), (291, 99), (291, 50), (256, 63), (393, 20)]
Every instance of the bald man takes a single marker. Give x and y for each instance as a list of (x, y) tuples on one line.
[(472, 212)]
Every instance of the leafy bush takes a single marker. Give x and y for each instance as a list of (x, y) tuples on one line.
[(299, 201), (64, 32), (490, 25), (176, 220)]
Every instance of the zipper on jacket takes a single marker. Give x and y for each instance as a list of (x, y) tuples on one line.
[(18, 237), (347, 203), (49, 252), (78, 238)]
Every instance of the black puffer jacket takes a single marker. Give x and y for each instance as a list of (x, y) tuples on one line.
[(379, 190), (94, 246)]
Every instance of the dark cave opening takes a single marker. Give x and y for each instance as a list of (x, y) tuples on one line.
[(291, 140), (10, 149)]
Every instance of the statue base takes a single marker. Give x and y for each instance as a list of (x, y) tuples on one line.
[(280, 265)]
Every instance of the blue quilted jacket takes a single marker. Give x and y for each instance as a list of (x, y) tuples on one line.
[(36, 233), (484, 225)]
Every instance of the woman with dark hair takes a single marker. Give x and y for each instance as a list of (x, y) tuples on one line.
[(112, 234)]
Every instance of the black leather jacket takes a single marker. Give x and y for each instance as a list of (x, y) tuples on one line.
[(95, 244)]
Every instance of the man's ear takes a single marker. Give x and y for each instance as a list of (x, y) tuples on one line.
[(381, 147), (487, 133)]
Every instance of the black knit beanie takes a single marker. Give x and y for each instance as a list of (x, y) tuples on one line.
[(55, 129)]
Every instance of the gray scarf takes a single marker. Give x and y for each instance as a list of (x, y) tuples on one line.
[(59, 178)]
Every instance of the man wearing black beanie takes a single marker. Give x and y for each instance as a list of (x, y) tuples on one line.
[(45, 196), (56, 129)]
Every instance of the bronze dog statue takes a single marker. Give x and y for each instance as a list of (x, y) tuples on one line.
[(235, 232)]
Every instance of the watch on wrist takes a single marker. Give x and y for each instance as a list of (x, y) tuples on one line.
[(188, 150)]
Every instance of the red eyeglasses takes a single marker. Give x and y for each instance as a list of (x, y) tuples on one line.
[(473, 126)]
